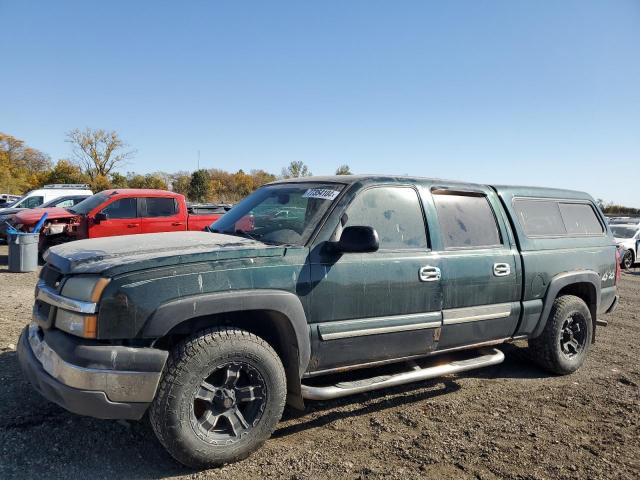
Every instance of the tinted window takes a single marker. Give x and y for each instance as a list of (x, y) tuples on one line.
[(124, 208), (161, 207), (466, 221), (395, 214), (580, 219), (540, 217)]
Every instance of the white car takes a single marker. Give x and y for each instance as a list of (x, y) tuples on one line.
[(35, 198), (627, 236)]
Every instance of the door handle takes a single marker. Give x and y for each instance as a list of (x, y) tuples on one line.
[(501, 269), (430, 274), (132, 225), (176, 224)]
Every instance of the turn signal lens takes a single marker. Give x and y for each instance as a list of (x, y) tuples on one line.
[(90, 327)]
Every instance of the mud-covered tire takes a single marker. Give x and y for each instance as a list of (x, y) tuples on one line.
[(549, 350), (190, 365), (627, 260)]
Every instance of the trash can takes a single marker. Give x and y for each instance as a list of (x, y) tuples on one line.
[(23, 252)]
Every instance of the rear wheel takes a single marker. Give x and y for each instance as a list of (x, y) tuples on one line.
[(565, 340), (220, 398), (627, 260)]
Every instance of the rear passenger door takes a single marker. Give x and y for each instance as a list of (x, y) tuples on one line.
[(161, 214), (480, 273)]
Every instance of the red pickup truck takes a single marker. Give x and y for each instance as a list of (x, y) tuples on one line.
[(124, 211)]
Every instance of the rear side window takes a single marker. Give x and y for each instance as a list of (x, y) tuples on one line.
[(124, 208), (540, 217), (161, 207), (394, 212), (466, 221), (552, 218), (580, 219)]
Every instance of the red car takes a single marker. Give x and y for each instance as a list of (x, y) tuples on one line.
[(124, 211)]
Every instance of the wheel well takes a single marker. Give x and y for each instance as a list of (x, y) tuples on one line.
[(272, 326), (587, 292)]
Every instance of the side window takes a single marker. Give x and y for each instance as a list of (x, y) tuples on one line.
[(580, 219), (65, 204), (552, 218), (539, 217), (466, 221), (161, 207), (395, 214), (124, 208), (31, 202)]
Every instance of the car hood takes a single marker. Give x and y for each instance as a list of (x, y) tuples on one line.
[(32, 215), (115, 255), (5, 212)]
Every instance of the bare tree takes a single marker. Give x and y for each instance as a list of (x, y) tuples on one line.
[(99, 151)]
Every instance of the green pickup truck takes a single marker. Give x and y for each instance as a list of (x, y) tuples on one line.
[(315, 288)]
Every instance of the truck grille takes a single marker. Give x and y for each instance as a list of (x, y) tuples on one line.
[(44, 312)]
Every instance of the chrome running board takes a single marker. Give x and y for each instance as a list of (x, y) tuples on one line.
[(486, 358)]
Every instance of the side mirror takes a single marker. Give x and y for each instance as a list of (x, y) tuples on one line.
[(356, 239), (100, 217)]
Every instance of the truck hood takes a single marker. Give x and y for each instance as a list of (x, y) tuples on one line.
[(117, 255), (32, 215)]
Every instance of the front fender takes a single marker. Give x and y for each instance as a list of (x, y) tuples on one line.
[(175, 312)]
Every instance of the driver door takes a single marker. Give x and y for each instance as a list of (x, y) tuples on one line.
[(122, 219), (374, 307)]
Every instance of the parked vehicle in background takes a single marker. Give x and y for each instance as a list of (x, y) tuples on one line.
[(6, 199), (627, 236), (66, 201), (114, 212), (35, 198), (205, 208), (214, 332)]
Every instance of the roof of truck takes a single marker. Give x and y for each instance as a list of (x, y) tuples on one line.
[(512, 189)]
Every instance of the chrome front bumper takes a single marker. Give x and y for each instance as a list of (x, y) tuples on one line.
[(88, 386)]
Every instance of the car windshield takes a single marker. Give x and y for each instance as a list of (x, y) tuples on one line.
[(285, 213), (623, 232), (88, 204)]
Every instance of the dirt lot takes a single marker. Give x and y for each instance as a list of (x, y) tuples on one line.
[(509, 421)]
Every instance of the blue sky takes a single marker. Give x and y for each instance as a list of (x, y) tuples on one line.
[(526, 92)]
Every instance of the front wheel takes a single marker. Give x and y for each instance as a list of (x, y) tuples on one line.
[(563, 345), (220, 398), (627, 260)]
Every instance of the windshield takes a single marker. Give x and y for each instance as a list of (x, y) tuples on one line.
[(623, 232), (88, 204), (282, 214)]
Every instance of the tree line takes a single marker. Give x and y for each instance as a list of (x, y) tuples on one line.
[(98, 156)]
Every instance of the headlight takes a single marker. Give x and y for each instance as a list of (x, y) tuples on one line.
[(86, 288)]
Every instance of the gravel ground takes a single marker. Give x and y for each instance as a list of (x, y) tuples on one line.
[(508, 421)]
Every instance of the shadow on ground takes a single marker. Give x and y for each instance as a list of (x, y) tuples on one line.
[(41, 438)]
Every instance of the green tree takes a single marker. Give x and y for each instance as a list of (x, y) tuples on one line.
[(180, 183), (118, 180), (200, 186), (296, 170), (343, 170), (99, 151), (66, 172)]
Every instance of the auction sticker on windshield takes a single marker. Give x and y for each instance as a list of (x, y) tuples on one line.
[(323, 193)]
